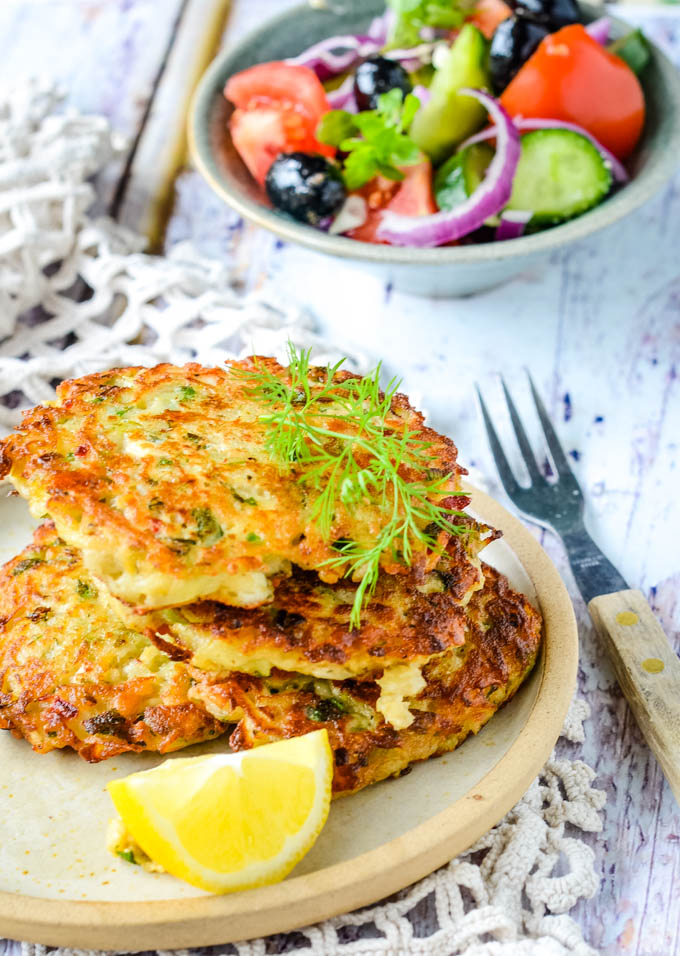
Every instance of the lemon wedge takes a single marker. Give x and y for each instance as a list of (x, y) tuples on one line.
[(227, 822)]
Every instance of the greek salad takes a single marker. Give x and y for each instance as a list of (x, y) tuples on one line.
[(448, 121)]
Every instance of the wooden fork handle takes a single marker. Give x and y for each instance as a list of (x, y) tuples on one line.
[(648, 671)]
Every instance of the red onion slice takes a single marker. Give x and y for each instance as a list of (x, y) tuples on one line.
[(512, 225), (342, 98), (423, 93), (414, 57), (600, 30), (524, 125), (336, 54), (380, 27), (487, 200)]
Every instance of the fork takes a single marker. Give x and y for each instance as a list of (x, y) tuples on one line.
[(645, 663)]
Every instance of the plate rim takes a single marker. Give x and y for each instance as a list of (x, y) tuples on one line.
[(364, 879)]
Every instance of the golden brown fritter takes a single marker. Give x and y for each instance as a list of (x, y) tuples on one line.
[(163, 479), (306, 628), (71, 675), (464, 687)]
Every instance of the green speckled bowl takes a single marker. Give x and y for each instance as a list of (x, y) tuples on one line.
[(456, 270)]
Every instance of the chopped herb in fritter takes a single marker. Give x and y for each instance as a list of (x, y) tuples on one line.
[(26, 565), (207, 524), (86, 591), (244, 501), (330, 708)]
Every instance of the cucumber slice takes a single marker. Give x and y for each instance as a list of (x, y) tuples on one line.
[(634, 49), (475, 164), (461, 175), (560, 174), (447, 118)]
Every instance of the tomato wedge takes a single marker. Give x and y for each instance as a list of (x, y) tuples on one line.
[(411, 196), (571, 77), (278, 107), (487, 14)]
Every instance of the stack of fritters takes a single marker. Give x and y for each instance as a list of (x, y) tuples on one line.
[(181, 586)]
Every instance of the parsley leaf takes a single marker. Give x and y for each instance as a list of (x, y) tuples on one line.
[(413, 15), (375, 140)]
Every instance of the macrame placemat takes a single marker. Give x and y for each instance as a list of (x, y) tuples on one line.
[(77, 295)]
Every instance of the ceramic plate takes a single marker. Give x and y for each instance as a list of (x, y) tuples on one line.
[(59, 886)]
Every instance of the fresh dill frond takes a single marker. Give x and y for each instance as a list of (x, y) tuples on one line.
[(336, 437)]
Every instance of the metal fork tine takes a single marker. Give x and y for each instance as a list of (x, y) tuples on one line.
[(504, 470), (556, 450), (521, 435)]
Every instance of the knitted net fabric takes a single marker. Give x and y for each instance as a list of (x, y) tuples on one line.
[(77, 294)]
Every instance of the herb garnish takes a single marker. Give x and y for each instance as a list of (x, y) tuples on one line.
[(413, 15), (339, 433), (375, 140)]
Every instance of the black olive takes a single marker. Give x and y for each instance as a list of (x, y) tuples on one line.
[(378, 75), (552, 13), (513, 42), (305, 185)]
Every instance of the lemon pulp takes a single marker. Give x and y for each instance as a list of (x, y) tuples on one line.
[(227, 822)]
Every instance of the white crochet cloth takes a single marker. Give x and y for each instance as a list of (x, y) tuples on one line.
[(78, 295)]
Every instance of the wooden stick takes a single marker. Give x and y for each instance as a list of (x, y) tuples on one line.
[(161, 150), (648, 671)]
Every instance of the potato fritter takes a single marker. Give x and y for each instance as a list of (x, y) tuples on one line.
[(464, 687), (163, 478), (306, 629), (72, 675)]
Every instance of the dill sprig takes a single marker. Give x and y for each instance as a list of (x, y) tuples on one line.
[(337, 438)]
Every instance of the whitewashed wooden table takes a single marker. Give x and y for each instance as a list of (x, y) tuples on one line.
[(599, 328)]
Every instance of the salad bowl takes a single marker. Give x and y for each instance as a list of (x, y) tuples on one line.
[(447, 270)]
